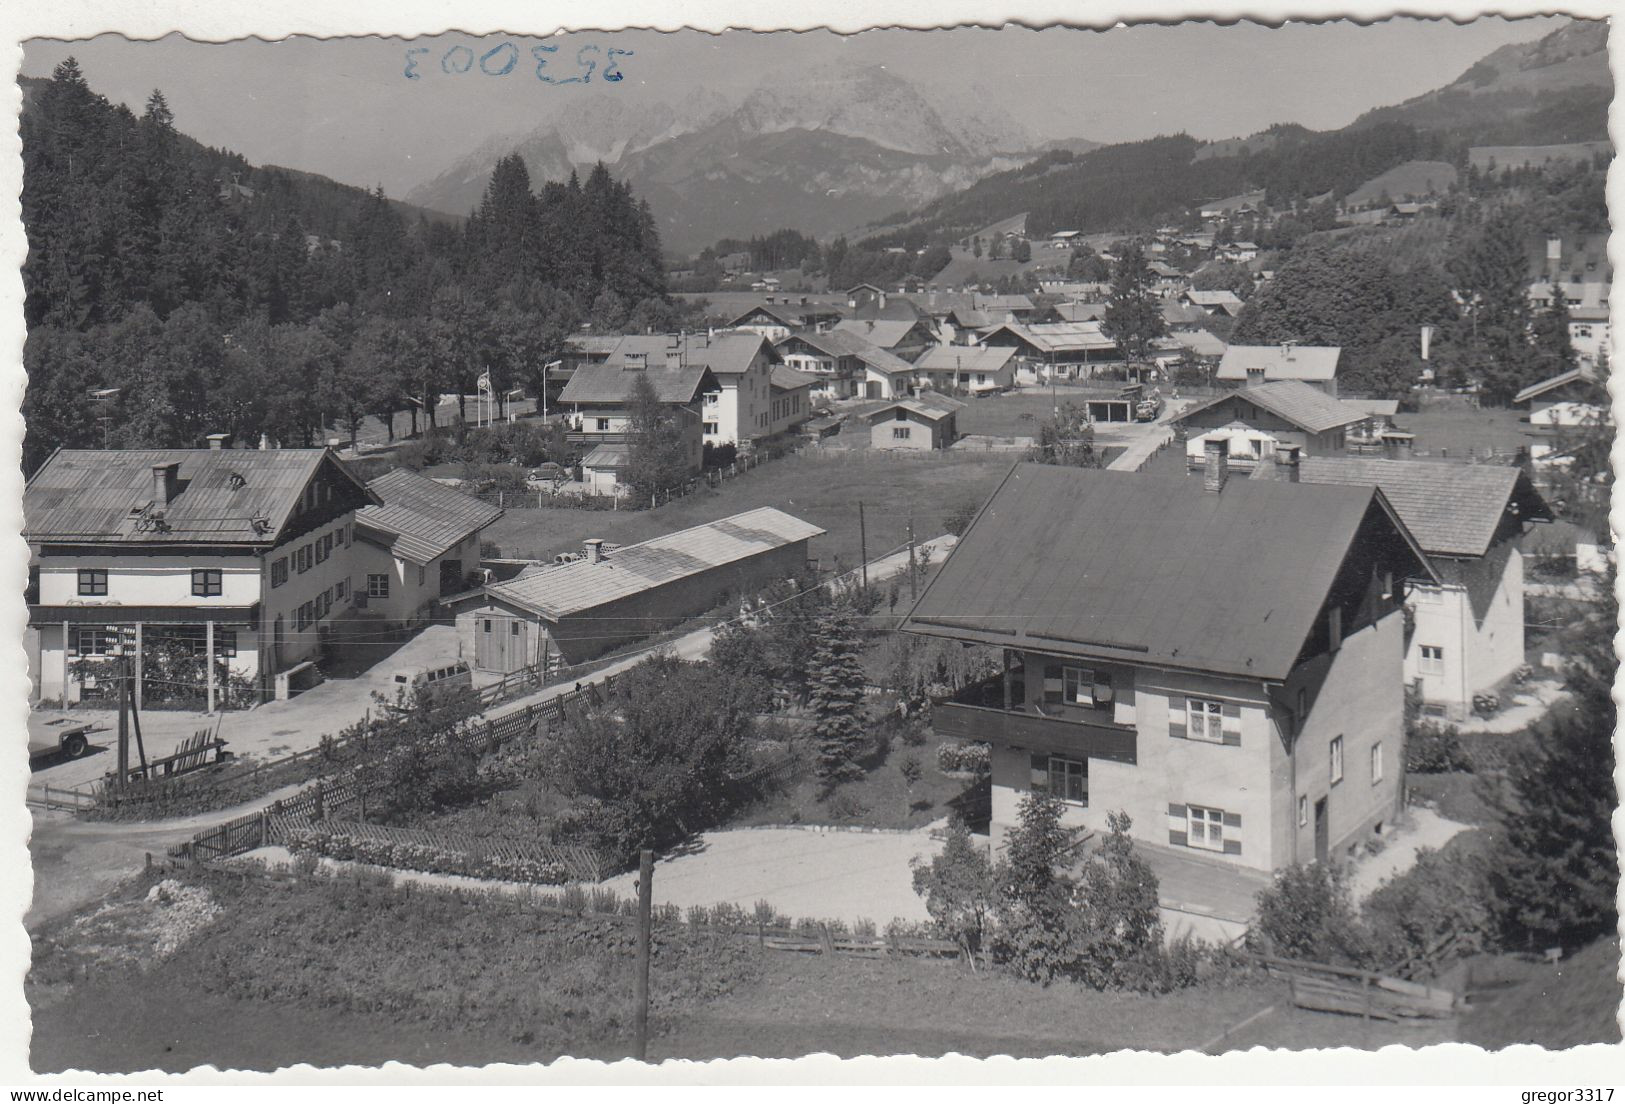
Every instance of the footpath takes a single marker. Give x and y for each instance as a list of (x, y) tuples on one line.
[(76, 861)]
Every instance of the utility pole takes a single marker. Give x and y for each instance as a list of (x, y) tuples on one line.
[(640, 981), (863, 546), (913, 574)]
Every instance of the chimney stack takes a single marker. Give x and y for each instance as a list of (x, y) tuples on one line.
[(1286, 462), (164, 479), (1216, 452), (217, 441), (594, 547), (265, 442)]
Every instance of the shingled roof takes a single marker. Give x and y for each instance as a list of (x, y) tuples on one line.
[(1306, 407), (1451, 509), (609, 383), (580, 586), (420, 520), (97, 495), (1149, 569)]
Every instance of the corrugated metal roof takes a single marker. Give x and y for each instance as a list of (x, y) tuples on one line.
[(580, 586), (1280, 362), (1306, 407), (1200, 342), (607, 457), (1147, 569), (89, 494), (421, 520), (1058, 337), (1451, 509)]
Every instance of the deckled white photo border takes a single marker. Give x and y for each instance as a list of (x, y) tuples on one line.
[(1512, 1070)]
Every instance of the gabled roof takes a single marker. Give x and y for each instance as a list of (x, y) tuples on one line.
[(882, 332), (788, 379), (781, 314), (610, 382), (1152, 569), (1086, 312), (1175, 314), (1223, 297), (929, 405), (1582, 375), (420, 520), (580, 586), (723, 353), (1280, 362), (1200, 342), (1306, 407), (96, 495), (1057, 337), (1451, 509), (836, 343), (965, 358)]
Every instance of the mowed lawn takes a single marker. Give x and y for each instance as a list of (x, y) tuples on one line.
[(824, 489)]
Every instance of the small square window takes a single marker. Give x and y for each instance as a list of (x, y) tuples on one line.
[(206, 582), (93, 581), (377, 586)]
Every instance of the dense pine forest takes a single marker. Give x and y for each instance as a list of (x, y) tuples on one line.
[(221, 298)]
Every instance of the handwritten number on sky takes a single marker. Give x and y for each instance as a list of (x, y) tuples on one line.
[(504, 58)]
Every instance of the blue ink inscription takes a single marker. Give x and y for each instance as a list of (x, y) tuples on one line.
[(503, 58)]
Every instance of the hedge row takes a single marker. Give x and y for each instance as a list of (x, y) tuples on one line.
[(335, 843)]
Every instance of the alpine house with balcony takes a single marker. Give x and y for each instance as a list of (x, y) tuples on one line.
[(1219, 658)]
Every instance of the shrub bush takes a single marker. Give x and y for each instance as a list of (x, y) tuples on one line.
[(965, 758), (1446, 893), (1431, 748), (1307, 913)]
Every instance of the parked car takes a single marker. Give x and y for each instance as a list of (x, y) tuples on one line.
[(64, 736)]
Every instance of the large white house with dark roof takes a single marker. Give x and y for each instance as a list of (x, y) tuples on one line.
[(245, 554), (1219, 658), (1468, 626), (1258, 419)]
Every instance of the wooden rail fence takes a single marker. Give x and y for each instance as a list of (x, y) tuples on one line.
[(1365, 993)]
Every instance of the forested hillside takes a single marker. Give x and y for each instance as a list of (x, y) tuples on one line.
[(221, 298)]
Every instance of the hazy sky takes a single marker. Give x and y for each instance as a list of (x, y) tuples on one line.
[(345, 108)]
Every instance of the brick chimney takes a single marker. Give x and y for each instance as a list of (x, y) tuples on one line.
[(1216, 453), (594, 547), (217, 441), (1286, 463), (165, 480)]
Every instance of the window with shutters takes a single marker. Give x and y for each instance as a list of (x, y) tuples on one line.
[(1204, 720), (279, 571), (1204, 827), (1067, 779)]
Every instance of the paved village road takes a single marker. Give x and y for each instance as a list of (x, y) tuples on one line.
[(76, 861)]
